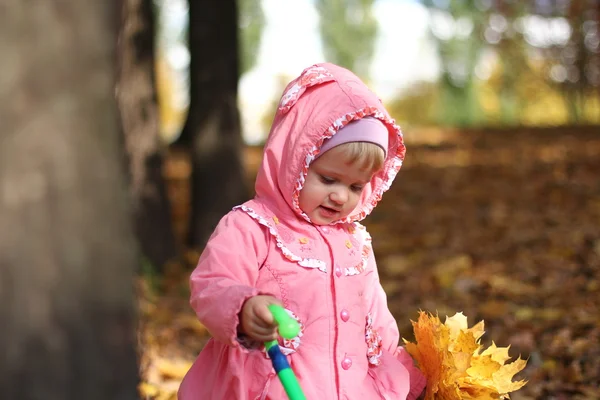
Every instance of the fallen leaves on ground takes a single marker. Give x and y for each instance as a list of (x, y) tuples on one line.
[(503, 226)]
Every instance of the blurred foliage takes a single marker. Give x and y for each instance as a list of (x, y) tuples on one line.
[(171, 65), (171, 116), (508, 63), (251, 24), (270, 111), (348, 31), (502, 62), (417, 106), (455, 29)]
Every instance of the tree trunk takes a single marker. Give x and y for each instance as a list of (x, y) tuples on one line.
[(67, 252), (212, 129), (136, 93)]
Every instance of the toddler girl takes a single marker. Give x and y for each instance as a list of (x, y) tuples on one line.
[(331, 153)]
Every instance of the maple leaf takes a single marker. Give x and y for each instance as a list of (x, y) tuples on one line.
[(451, 357)]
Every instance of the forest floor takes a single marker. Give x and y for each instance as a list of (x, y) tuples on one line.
[(501, 225)]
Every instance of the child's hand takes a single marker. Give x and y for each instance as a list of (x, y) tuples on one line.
[(256, 320)]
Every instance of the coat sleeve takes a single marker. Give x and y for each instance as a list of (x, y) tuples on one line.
[(226, 274), (384, 325)]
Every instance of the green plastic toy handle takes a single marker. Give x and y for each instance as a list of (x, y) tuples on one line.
[(290, 384), (288, 327)]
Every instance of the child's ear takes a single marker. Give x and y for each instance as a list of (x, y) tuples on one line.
[(311, 76)]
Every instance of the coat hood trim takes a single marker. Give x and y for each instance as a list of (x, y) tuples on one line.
[(392, 165)]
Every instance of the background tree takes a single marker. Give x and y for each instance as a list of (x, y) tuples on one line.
[(500, 33), (67, 250), (456, 27), (136, 94), (348, 31), (212, 130), (576, 63), (251, 21)]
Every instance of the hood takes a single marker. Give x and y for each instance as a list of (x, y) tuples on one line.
[(313, 108)]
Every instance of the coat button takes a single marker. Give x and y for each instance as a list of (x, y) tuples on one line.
[(338, 271), (345, 315), (346, 363), (325, 229)]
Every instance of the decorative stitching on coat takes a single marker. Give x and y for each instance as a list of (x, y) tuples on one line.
[(373, 340), (303, 262), (282, 287), (391, 170)]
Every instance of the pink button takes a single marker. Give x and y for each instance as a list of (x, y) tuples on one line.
[(325, 229), (345, 315), (338, 271), (346, 363)]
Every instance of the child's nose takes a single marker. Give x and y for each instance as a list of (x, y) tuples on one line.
[(339, 196)]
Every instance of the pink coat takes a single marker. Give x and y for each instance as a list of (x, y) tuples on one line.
[(325, 276)]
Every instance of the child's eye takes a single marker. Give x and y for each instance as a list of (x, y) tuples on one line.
[(356, 188), (327, 180)]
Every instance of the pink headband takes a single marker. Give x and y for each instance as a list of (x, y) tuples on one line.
[(367, 129)]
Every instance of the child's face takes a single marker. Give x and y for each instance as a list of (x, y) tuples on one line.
[(332, 188)]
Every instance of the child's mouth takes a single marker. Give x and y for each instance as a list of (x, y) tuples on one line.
[(327, 212)]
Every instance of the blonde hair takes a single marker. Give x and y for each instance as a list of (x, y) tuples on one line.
[(369, 156)]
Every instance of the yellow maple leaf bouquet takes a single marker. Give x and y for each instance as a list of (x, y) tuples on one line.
[(456, 365)]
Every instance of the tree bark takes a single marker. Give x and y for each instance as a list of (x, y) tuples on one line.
[(136, 94), (67, 251), (212, 129)]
